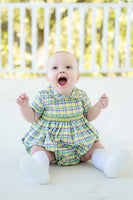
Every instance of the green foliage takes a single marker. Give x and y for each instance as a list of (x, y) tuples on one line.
[(64, 31)]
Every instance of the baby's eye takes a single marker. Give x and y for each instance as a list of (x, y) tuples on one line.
[(68, 67), (54, 68)]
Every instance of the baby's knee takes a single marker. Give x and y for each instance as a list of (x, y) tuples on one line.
[(51, 155), (85, 157), (97, 145), (36, 148)]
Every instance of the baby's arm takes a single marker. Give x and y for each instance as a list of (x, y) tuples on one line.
[(95, 110), (26, 110)]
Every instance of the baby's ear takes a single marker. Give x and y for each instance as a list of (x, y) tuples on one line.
[(47, 78), (78, 77)]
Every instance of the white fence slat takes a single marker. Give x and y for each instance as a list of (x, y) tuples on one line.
[(0, 42), (104, 39), (82, 38), (22, 39), (116, 40), (128, 39), (93, 39), (69, 26), (58, 28), (10, 39), (34, 38), (46, 36)]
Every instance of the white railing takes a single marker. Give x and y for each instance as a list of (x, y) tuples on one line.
[(87, 54)]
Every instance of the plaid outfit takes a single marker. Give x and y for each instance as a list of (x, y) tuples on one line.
[(62, 127)]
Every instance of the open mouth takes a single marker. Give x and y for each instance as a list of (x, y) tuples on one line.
[(62, 81)]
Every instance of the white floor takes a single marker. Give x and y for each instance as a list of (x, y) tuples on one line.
[(80, 182)]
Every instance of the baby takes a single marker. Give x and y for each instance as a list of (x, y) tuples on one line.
[(61, 131)]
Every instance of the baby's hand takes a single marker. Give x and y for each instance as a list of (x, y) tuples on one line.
[(103, 101), (22, 100)]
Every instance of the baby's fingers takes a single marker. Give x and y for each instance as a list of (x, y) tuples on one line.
[(22, 98), (104, 96), (19, 99), (104, 103)]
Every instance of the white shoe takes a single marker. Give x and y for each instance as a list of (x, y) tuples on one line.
[(116, 162), (34, 170)]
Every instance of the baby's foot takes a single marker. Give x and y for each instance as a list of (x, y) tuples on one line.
[(116, 162), (34, 169)]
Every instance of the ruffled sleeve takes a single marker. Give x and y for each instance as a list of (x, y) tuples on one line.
[(38, 104), (86, 103)]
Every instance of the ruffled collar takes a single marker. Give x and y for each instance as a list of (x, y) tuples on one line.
[(60, 96)]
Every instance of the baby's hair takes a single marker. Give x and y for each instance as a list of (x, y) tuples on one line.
[(66, 52)]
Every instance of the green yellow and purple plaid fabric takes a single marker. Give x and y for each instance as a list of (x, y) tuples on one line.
[(62, 127)]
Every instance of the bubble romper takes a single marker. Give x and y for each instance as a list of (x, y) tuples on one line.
[(62, 126)]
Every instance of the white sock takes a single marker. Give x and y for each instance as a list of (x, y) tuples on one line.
[(111, 165), (99, 158), (116, 162), (36, 167), (41, 157)]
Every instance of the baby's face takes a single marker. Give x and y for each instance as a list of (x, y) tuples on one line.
[(62, 72)]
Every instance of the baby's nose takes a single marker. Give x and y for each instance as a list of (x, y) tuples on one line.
[(62, 71)]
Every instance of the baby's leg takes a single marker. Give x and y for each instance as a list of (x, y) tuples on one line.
[(50, 154), (112, 164), (88, 155), (36, 166)]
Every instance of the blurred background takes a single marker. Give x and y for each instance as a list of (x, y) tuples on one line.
[(100, 37)]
